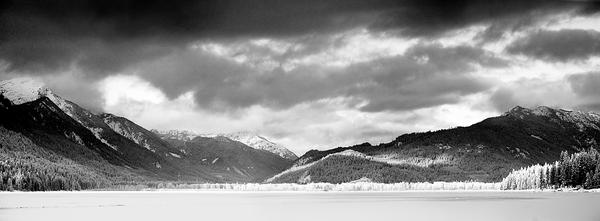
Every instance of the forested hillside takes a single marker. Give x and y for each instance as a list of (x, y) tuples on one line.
[(230, 160), (26, 166), (50, 143), (486, 151)]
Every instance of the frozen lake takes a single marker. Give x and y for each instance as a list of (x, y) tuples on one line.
[(280, 206)]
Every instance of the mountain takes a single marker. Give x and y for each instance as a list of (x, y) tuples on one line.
[(485, 151), (75, 133), (140, 135), (38, 124), (230, 160), (251, 139), (181, 135), (258, 142), (227, 159)]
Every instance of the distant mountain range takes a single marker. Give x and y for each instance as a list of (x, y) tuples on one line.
[(251, 139), (48, 142), (485, 151), (121, 151)]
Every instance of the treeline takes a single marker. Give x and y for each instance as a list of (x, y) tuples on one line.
[(342, 169), (576, 170), (353, 186), (24, 176), (27, 167)]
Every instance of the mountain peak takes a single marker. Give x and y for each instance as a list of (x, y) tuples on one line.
[(246, 137), (537, 111), (183, 135), (23, 90), (581, 119), (259, 142), (517, 109)]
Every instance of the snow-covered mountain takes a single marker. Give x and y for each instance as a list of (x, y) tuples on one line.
[(183, 135), (251, 139), (125, 148), (259, 142), (22, 90), (33, 99), (140, 136), (486, 151), (582, 120)]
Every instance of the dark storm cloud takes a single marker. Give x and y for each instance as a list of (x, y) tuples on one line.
[(102, 37), (427, 75), (426, 18), (503, 99), (586, 86), (562, 45)]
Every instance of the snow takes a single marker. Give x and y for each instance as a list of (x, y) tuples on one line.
[(295, 168), (390, 159), (359, 185), (250, 139), (293, 206), (74, 137), (96, 132), (183, 135), (396, 159), (261, 143), (21, 90), (536, 137), (582, 120), (542, 111), (526, 178), (362, 180), (138, 137), (518, 152)]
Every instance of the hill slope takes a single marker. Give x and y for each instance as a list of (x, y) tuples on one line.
[(485, 151), (110, 147), (226, 159), (248, 138)]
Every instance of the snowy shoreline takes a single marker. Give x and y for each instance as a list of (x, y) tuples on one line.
[(292, 191), (321, 188)]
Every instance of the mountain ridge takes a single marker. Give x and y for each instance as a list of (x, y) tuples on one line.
[(63, 127), (251, 139), (485, 151)]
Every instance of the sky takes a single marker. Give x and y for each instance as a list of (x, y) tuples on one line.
[(307, 74)]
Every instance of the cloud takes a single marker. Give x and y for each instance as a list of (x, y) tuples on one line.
[(307, 73), (425, 75), (106, 36), (70, 85), (563, 45), (434, 17), (532, 92), (76, 88), (585, 86), (324, 123)]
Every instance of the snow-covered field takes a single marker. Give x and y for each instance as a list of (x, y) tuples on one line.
[(264, 206)]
